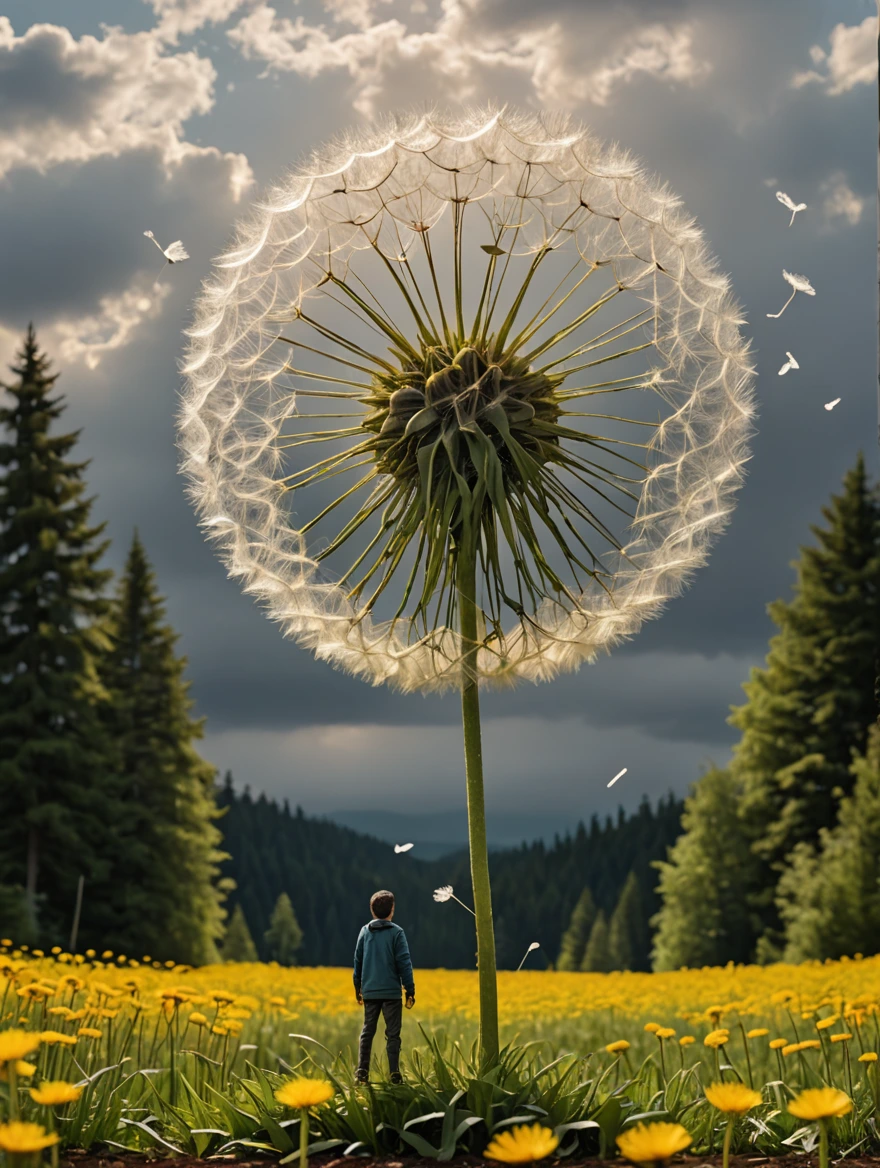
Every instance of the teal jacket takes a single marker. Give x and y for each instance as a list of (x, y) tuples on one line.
[(382, 963)]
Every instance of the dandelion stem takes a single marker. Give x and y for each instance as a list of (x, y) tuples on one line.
[(823, 1143), (725, 1151), (466, 580), (303, 1138)]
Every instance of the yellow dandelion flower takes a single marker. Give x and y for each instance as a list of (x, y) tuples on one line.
[(89, 1032), (302, 1092), (173, 995), (233, 1025), (617, 1047), (57, 1036), (56, 1093), (197, 1019), (844, 1037), (278, 1001), (686, 1040), (35, 992), (652, 1027), (25, 1138), (15, 1044), (221, 997), (665, 1032), (522, 1144), (221, 1030), (820, 1103), (824, 1023), (22, 1069), (732, 1098), (61, 1011), (810, 1044), (870, 1056), (778, 1043), (716, 1038), (790, 1048), (653, 1143), (759, 1032)]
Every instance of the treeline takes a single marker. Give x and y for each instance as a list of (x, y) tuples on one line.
[(780, 856), (329, 873), (108, 835)]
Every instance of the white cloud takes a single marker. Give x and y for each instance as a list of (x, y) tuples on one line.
[(851, 61), (463, 58), (90, 337), (840, 201), (71, 101), (178, 18)]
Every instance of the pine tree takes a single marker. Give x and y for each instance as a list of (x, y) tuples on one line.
[(284, 936), (704, 919), (597, 955), (810, 707), (829, 897), (238, 944), (15, 919), (628, 929), (575, 937), (167, 896), (58, 803)]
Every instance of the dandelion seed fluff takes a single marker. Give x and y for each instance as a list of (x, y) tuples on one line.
[(377, 195)]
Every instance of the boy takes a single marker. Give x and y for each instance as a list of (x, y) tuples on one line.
[(381, 965)]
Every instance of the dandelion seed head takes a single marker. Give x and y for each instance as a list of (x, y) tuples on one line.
[(402, 847), (443, 412), (830, 405), (441, 895)]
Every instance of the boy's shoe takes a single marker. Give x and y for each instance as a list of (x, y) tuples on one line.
[(360, 1079), (396, 1077)]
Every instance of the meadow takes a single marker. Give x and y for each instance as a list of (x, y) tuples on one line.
[(171, 1058)]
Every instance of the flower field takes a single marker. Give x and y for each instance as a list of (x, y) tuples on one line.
[(131, 1053)]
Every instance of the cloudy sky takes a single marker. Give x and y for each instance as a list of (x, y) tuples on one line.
[(120, 116)]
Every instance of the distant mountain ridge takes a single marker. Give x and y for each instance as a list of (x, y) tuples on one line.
[(443, 832), (329, 871)]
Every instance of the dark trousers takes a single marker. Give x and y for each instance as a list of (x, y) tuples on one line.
[(392, 1009)]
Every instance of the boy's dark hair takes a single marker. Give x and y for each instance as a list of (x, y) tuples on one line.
[(381, 903)]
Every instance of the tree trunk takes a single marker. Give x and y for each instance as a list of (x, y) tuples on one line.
[(33, 868)]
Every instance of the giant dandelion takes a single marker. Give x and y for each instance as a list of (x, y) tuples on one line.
[(399, 422)]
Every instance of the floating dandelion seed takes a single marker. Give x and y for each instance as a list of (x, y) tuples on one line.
[(534, 945), (416, 306), (175, 253), (789, 364), (402, 847), (791, 204), (798, 284), (619, 775), (830, 405), (441, 895)]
